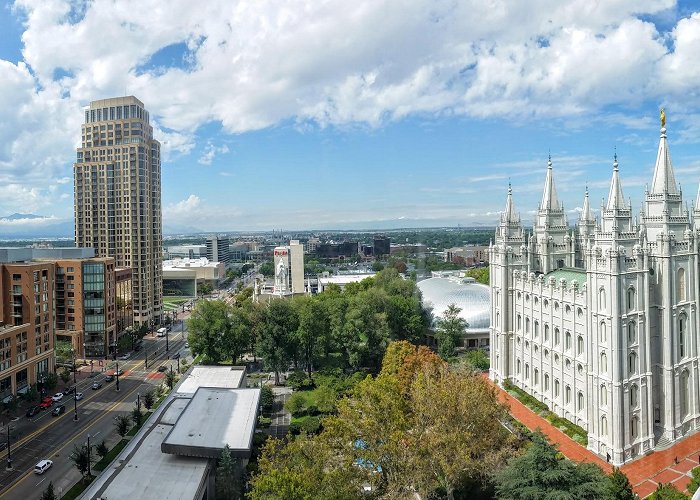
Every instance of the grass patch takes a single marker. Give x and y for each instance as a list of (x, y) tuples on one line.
[(173, 303), (77, 488), (107, 459), (572, 430)]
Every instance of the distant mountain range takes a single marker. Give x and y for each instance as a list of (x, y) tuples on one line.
[(33, 226), (20, 225)]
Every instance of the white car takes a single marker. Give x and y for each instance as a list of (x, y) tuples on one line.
[(57, 397), (124, 357), (187, 344), (78, 396), (42, 466)]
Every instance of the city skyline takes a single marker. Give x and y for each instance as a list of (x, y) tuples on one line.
[(301, 117)]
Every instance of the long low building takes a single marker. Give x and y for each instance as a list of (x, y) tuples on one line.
[(182, 276), (173, 456)]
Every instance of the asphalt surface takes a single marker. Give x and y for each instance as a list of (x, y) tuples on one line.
[(53, 438)]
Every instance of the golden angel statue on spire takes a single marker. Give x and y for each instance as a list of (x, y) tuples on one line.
[(663, 117)]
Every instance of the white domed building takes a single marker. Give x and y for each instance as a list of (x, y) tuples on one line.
[(472, 298)]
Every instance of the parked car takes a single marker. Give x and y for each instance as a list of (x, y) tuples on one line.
[(58, 410), (78, 396), (125, 356), (187, 344), (68, 390), (162, 368), (47, 402), (32, 411), (96, 385), (57, 397), (42, 466)]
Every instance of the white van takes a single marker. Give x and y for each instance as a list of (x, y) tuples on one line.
[(42, 466), (161, 332)]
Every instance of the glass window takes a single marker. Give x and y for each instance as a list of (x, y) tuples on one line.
[(631, 299), (632, 363), (603, 395), (603, 363), (681, 284), (579, 342), (580, 401), (634, 396), (602, 329), (682, 322), (631, 332)]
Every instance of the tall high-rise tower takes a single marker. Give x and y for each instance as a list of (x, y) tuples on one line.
[(117, 197)]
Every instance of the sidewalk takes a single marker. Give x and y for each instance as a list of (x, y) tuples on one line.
[(645, 473)]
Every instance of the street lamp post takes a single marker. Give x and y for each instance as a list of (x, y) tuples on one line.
[(167, 347), (88, 455), (138, 401), (9, 455), (73, 351), (117, 374), (75, 406), (145, 353)]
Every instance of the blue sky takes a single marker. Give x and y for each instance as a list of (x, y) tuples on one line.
[(312, 115)]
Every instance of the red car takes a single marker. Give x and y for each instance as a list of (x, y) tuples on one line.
[(46, 402)]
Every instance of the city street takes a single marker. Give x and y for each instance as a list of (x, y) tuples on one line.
[(53, 438)]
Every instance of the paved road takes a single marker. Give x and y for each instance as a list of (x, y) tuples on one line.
[(54, 437)]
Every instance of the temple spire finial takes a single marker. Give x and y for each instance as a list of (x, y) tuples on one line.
[(663, 117)]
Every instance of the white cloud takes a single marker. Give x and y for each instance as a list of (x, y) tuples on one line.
[(210, 152), (184, 208)]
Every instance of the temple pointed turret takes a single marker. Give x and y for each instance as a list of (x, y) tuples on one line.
[(616, 200), (586, 214), (664, 181), (509, 213), (510, 231), (549, 195)]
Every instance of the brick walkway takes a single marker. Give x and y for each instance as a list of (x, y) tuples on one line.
[(644, 473)]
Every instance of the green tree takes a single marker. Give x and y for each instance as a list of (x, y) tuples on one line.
[(137, 416), (667, 492), (478, 359), (65, 375), (267, 269), (82, 459), (63, 351), (275, 341), (267, 399), (619, 487), (480, 274), (367, 328), (148, 400), (540, 473), (228, 484), (313, 326), (50, 381), (170, 379), (449, 331), (207, 324), (204, 289), (235, 338), (49, 493), (102, 449), (122, 424)]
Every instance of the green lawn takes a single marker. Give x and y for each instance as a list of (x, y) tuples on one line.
[(173, 303), (77, 489)]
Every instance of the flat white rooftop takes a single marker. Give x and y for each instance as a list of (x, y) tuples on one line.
[(214, 418), (189, 263), (150, 473), (212, 376), (344, 279)]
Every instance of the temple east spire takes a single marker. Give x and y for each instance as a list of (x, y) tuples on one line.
[(549, 195), (664, 181)]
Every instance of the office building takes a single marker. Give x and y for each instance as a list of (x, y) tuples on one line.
[(218, 249), (86, 305), (289, 269), (26, 325), (600, 322), (117, 197), (382, 246)]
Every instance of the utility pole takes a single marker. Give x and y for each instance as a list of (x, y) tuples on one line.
[(145, 352), (88, 455), (75, 406), (167, 347), (138, 401), (74, 370)]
